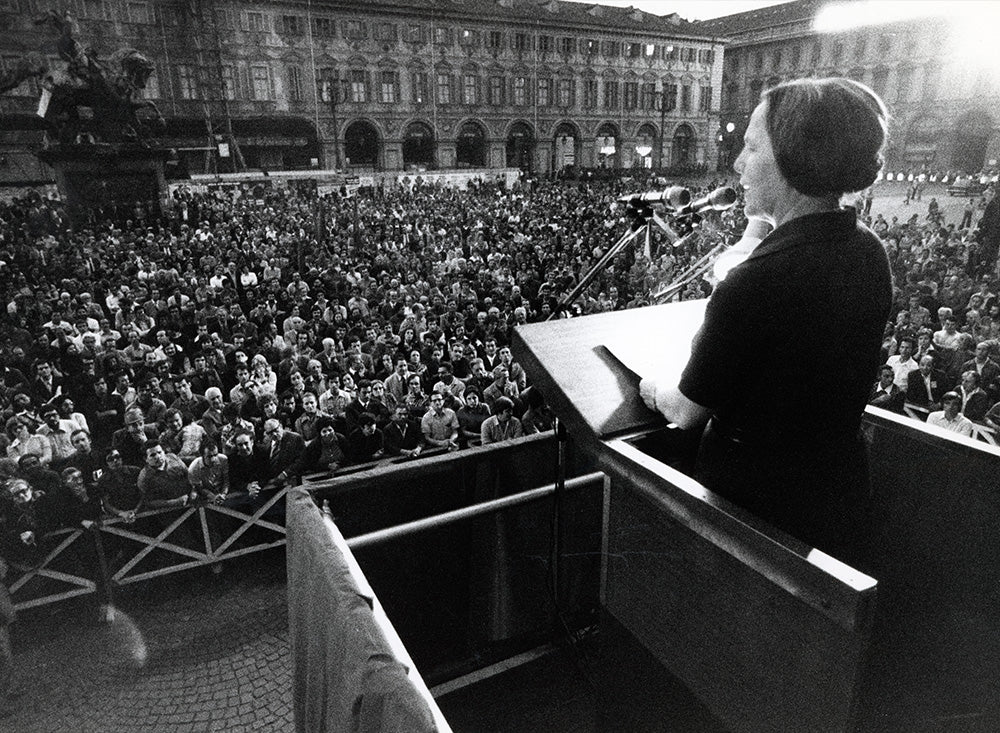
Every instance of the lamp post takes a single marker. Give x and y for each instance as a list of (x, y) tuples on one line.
[(661, 104), (335, 93)]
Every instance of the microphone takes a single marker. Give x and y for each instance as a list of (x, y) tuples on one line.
[(718, 200), (676, 197)]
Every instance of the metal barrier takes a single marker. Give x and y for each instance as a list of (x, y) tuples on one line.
[(211, 540), (112, 553), (57, 547), (980, 432)]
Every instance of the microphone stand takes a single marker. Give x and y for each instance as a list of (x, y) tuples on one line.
[(613, 251)]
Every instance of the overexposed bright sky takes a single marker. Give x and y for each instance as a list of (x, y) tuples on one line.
[(690, 9)]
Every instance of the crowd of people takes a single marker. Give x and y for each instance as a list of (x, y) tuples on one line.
[(238, 340)]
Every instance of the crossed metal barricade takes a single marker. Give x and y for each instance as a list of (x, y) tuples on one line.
[(980, 432), (74, 562)]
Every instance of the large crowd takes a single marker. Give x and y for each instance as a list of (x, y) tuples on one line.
[(239, 340)]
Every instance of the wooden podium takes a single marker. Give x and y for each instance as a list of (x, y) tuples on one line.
[(768, 633)]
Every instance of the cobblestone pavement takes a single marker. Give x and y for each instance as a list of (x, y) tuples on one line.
[(190, 652)]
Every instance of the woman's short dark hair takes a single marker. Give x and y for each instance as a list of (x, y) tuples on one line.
[(827, 134)]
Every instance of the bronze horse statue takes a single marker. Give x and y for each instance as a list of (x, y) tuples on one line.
[(102, 102), (91, 99)]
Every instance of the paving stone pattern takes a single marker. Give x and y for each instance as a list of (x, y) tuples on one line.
[(194, 652)]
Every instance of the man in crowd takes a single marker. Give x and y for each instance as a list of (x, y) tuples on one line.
[(950, 417), (926, 385), (502, 425), (440, 424), (163, 482), (886, 394), (903, 363)]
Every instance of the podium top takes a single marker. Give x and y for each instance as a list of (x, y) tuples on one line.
[(587, 386)]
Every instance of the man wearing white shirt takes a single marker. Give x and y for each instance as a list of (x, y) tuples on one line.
[(948, 337), (951, 417), (902, 363)]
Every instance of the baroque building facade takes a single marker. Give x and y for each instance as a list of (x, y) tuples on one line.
[(943, 93), (401, 84)]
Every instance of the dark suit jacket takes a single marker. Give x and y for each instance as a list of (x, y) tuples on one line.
[(977, 406), (245, 469), (916, 391), (288, 458), (892, 401), (989, 375)]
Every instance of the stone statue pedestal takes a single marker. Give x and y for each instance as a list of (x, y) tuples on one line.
[(108, 176)]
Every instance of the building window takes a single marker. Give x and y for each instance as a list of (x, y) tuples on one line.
[(816, 54), (544, 98), (415, 33), (495, 40), (670, 53), (732, 96), (356, 30), (386, 32), (152, 89), (323, 27), (592, 47), (567, 45), (255, 22), (93, 9), (187, 81), (880, 81), (138, 13), (777, 59), (521, 42), (633, 50), (468, 38), (705, 98), (837, 53), (706, 56), (545, 44), (861, 49), (520, 91), (884, 47), (442, 36), (388, 87), (647, 96), (610, 94), (685, 97), (689, 54), (590, 93), (670, 97), (470, 89), (359, 86), (932, 77), (444, 88), (565, 92), (224, 18), (795, 56), (758, 60), (496, 91), (228, 82), (292, 25), (295, 83), (612, 49), (631, 94), (260, 78), (420, 88)]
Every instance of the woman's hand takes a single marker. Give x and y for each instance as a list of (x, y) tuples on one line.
[(647, 390)]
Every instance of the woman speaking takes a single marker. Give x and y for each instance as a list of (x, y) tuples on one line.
[(782, 366)]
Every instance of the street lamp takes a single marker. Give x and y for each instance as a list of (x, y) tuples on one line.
[(334, 92), (661, 104)]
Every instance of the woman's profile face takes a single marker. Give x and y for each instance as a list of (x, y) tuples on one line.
[(765, 189)]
